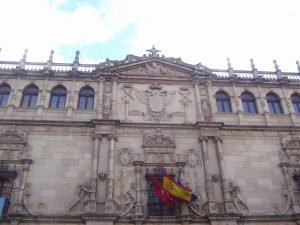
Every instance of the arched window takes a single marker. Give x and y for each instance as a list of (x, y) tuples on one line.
[(58, 97), (86, 98), (296, 102), (4, 94), (30, 95), (223, 102), (274, 104), (248, 101)]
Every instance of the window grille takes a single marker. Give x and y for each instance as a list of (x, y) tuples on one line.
[(154, 204)]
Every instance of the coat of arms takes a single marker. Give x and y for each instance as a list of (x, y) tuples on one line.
[(156, 101)]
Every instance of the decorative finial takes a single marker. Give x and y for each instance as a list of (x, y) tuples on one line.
[(77, 53), (276, 65), (298, 66), (153, 51), (228, 63), (51, 56), (252, 64), (24, 55)]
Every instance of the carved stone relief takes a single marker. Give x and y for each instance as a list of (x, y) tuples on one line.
[(290, 163), (192, 158), (155, 141), (156, 69), (107, 106), (156, 100), (125, 157)]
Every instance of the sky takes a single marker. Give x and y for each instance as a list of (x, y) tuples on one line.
[(206, 31)]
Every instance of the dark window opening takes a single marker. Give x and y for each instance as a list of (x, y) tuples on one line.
[(223, 102), (29, 98), (4, 95), (86, 99), (58, 98), (248, 101), (296, 103), (274, 104)]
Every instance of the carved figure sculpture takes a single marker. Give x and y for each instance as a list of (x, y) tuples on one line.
[(107, 107)]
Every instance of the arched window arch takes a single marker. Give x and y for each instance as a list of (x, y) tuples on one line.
[(58, 97), (4, 94), (296, 102), (223, 102), (274, 104), (248, 101), (30, 95), (86, 98)]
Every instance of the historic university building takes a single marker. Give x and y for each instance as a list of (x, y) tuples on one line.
[(79, 142)]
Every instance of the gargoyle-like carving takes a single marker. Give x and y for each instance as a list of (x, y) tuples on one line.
[(236, 197), (291, 142), (156, 138), (156, 101)]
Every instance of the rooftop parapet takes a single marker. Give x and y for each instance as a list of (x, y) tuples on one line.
[(113, 65)]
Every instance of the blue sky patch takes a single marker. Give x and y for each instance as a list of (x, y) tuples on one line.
[(116, 48)]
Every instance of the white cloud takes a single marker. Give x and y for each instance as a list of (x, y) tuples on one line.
[(196, 30)]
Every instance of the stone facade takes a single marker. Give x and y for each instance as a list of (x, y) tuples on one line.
[(73, 165)]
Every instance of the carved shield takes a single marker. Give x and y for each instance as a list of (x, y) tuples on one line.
[(156, 103)]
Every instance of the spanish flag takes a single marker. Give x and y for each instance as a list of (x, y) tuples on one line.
[(177, 190)]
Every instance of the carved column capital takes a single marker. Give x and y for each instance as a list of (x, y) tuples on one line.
[(218, 139), (112, 137), (101, 79), (202, 138), (97, 136)]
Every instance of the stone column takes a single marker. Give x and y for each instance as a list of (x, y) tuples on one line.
[(91, 207), (264, 106), (198, 101), (114, 98), (100, 97), (211, 100), (139, 214), (70, 107), (126, 101), (208, 181), (19, 205), (41, 105), (224, 182), (238, 105), (289, 106), (12, 99), (109, 207)]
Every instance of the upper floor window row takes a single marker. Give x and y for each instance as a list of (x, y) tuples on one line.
[(249, 102), (57, 99)]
